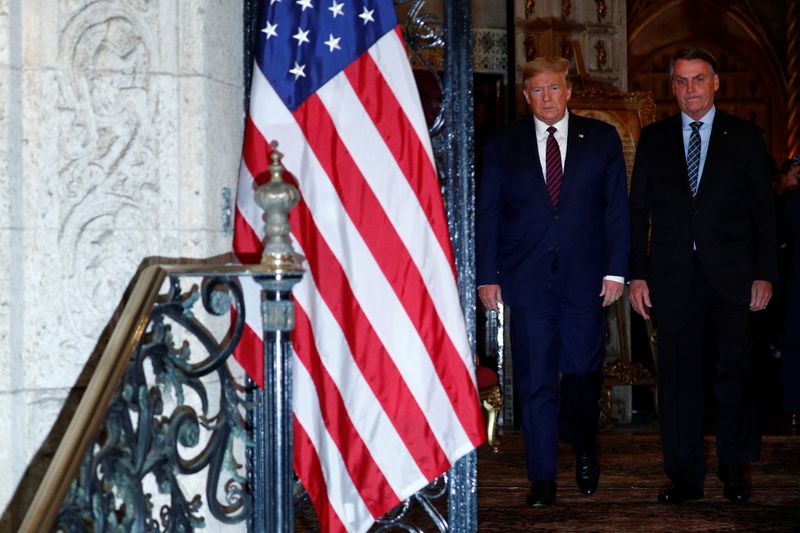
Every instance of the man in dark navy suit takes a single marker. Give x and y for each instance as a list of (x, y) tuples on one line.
[(552, 244), (701, 192)]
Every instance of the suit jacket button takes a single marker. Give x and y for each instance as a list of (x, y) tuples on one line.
[(551, 248)]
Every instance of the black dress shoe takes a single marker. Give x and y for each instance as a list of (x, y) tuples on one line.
[(736, 484), (542, 493), (679, 493), (587, 471)]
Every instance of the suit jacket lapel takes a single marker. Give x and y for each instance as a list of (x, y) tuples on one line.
[(675, 152), (527, 150), (716, 149), (575, 152)]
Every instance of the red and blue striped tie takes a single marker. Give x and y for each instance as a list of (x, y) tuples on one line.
[(553, 167)]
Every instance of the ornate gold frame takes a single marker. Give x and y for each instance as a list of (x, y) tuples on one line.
[(627, 112)]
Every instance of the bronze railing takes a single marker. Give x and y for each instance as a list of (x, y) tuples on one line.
[(117, 434)]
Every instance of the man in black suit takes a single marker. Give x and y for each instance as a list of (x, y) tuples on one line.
[(789, 236), (556, 243), (701, 187)]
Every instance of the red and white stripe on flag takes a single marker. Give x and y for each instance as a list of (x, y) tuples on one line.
[(384, 395)]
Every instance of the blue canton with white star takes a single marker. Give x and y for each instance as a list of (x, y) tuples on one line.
[(304, 43)]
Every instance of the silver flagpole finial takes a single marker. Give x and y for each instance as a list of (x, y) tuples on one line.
[(277, 198)]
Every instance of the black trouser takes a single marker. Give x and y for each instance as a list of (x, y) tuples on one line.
[(790, 358), (681, 363)]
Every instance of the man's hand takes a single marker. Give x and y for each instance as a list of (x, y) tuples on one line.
[(760, 294), (639, 296), (490, 296), (611, 292)]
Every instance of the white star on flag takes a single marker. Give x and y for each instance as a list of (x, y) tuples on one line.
[(299, 71), (270, 30), (305, 4), (366, 15), (336, 9), (301, 36), (273, 1), (333, 43)]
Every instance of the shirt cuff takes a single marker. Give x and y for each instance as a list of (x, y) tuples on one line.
[(618, 279)]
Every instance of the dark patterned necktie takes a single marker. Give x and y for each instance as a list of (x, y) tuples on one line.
[(693, 157), (553, 167)]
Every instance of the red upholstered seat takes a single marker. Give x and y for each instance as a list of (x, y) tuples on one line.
[(486, 377), (491, 401)]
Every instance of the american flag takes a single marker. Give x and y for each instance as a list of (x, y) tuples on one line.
[(384, 396)]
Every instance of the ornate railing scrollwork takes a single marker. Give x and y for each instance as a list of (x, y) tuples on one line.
[(421, 29), (401, 516), (139, 439), (425, 35)]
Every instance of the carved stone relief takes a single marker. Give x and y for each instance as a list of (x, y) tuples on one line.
[(108, 156), (110, 108)]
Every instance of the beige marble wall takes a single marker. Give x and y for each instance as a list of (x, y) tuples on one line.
[(120, 122)]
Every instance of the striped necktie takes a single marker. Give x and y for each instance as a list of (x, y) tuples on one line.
[(553, 167), (693, 157)]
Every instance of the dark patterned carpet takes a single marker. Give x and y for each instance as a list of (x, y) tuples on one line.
[(626, 497)]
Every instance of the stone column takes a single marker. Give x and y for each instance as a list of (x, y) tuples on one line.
[(120, 123)]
